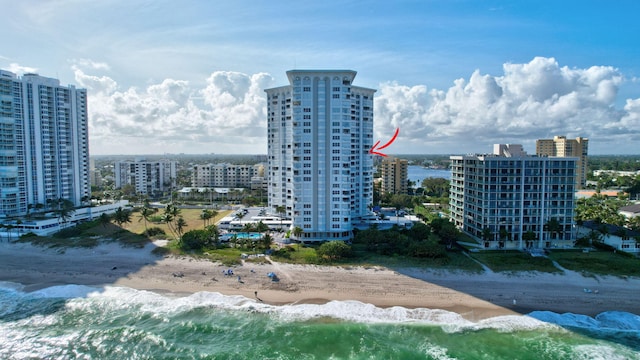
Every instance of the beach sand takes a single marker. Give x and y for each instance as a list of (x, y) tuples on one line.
[(474, 296)]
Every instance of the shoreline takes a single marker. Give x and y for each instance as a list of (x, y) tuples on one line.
[(474, 296)]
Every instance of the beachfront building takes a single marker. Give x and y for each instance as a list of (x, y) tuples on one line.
[(394, 174), (509, 199), (44, 141), (560, 146), (320, 130), (225, 175), (150, 178)]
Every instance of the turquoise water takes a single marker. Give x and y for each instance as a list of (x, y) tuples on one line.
[(241, 235), (79, 322)]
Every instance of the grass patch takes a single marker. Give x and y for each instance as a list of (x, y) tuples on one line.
[(454, 260), (513, 261), (296, 254), (597, 262), (56, 242)]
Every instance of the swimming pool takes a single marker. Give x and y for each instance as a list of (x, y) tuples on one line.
[(241, 236)]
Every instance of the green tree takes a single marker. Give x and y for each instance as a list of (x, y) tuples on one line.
[(105, 219), (64, 209), (529, 236), (334, 250), (266, 241), (552, 226), (248, 227), (261, 227), (122, 216), (297, 232), (195, 239), (487, 234), (436, 187), (446, 230)]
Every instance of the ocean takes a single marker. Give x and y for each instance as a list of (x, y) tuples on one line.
[(81, 322)]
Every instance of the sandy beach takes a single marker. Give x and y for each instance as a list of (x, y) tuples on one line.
[(474, 296)]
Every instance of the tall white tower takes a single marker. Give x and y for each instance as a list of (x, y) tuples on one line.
[(45, 143), (320, 130)]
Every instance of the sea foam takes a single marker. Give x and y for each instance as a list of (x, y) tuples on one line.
[(353, 311)]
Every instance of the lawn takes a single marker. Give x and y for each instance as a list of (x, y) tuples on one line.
[(507, 261), (598, 262), (191, 216), (454, 260)]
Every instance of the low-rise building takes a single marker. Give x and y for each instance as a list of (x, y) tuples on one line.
[(224, 175), (618, 237)]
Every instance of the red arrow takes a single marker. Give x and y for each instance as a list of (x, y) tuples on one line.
[(373, 149)]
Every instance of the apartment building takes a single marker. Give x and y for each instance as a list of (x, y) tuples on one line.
[(320, 130), (394, 173), (149, 178), (560, 146), (44, 141), (225, 175), (508, 199)]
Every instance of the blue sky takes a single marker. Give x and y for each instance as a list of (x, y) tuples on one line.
[(454, 76)]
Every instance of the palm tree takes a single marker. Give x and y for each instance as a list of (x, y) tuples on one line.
[(213, 231), (207, 215), (297, 232), (266, 241), (281, 211), (262, 227), (553, 226), (105, 219), (248, 227), (122, 216), (487, 234), (529, 236), (180, 225), (145, 214), (504, 235), (168, 219), (9, 227), (64, 209)]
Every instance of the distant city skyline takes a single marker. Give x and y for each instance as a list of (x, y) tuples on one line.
[(455, 77)]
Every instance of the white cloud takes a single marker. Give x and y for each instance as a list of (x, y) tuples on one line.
[(227, 114), (535, 100), (21, 70)]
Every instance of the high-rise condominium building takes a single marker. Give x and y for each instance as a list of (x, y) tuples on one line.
[(560, 146), (147, 177), (513, 200), (320, 130), (45, 145), (394, 173)]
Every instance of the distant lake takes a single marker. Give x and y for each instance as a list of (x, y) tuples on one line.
[(418, 173)]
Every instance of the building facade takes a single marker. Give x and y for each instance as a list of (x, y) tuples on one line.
[(560, 146), (44, 153), (150, 178), (225, 175), (320, 130), (394, 173), (514, 201)]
